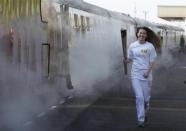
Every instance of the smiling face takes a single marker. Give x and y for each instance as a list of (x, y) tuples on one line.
[(142, 35)]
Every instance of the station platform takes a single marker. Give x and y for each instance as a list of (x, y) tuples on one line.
[(117, 112)]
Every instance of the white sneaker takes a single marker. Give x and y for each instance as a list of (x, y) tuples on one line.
[(141, 124)]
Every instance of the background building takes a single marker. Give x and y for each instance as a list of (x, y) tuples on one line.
[(174, 14)]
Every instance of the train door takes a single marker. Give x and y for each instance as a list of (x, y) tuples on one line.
[(65, 44), (161, 42), (166, 38), (56, 52), (124, 46), (45, 58)]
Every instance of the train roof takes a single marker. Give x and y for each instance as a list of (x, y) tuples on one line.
[(84, 6), (142, 22), (169, 27), (81, 5)]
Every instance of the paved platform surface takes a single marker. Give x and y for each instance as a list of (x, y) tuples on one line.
[(117, 112)]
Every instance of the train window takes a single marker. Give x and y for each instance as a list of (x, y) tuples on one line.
[(76, 21), (9, 50), (45, 58), (26, 55), (82, 22), (19, 50), (33, 57), (175, 37), (88, 23)]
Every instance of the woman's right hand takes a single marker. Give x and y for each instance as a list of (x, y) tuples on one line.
[(126, 61)]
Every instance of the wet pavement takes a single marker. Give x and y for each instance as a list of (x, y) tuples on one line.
[(117, 112), (111, 114)]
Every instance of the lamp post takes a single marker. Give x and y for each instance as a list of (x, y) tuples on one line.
[(145, 14)]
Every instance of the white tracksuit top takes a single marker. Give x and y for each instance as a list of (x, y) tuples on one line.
[(141, 55)]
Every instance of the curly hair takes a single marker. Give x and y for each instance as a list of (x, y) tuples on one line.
[(151, 37)]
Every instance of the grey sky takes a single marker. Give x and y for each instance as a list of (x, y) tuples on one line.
[(139, 8)]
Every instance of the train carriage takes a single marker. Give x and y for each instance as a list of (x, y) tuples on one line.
[(96, 47), (74, 45), (70, 47)]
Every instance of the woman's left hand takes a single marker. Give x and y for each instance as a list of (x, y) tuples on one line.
[(146, 75)]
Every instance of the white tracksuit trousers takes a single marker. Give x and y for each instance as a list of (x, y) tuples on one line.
[(142, 90)]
